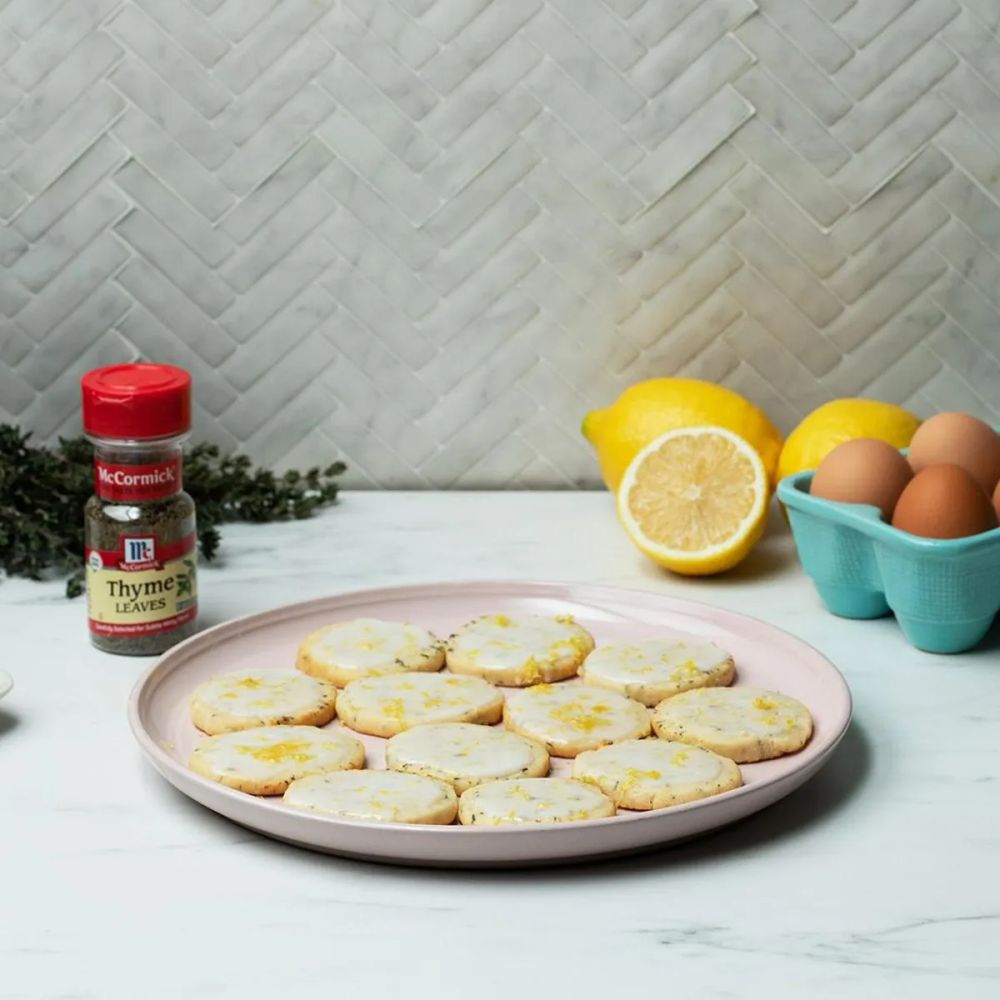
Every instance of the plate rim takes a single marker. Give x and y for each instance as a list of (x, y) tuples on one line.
[(148, 680)]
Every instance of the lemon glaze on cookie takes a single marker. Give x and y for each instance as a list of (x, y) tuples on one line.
[(744, 724), (650, 670), (532, 800), (465, 754), (381, 796), (368, 647), (568, 719), (264, 761), (384, 706), (250, 698), (654, 773), (519, 651)]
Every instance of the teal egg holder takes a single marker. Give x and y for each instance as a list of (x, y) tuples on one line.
[(944, 593)]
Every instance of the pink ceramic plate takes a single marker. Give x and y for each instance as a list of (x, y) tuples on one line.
[(765, 656)]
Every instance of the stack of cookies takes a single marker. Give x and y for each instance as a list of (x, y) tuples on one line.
[(649, 723)]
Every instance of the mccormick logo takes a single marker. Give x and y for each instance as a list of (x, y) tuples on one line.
[(137, 482), (138, 550), (161, 476)]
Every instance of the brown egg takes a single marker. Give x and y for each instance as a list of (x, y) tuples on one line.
[(996, 499), (958, 439), (944, 501), (864, 470)]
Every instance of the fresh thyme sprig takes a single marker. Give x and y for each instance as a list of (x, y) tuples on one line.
[(43, 490)]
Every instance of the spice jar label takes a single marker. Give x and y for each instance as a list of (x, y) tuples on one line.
[(145, 586), (137, 483)]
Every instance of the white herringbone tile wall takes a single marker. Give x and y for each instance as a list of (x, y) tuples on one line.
[(427, 235)]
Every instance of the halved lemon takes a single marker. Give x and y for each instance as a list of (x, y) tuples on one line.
[(695, 500)]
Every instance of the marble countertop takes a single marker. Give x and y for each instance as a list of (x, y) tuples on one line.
[(879, 878)]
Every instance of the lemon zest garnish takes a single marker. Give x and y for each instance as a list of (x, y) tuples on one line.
[(633, 776), (685, 670), (393, 708), (250, 682), (532, 671), (279, 753), (575, 715)]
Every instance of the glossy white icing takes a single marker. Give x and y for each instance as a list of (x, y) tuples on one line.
[(572, 714), (737, 711), (502, 642), (414, 698), (649, 764), (280, 752), (364, 645), (678, 663), (533, 800), (388, 796), (252, 694), (461, 750)]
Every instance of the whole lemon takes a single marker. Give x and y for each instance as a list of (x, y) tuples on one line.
[(843, 420), (647, 409)]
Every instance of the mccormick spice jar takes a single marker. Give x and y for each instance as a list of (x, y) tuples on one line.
[(142, 591)]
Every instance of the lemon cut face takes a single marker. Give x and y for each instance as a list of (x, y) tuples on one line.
[(695, 499)]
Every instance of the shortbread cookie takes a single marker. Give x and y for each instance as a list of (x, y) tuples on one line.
[(570, 718), (384, 706), (465, 755), (651, 774), (743, 724), (267, 760), (532, 800), (368, 647), (251, 698), (519, 650), (650, 670), (380, 796)]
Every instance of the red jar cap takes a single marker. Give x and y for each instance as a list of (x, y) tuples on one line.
[(136, 401)]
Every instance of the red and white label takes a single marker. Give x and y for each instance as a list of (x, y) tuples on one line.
[(142, 587), (140, 552), (137, 483)]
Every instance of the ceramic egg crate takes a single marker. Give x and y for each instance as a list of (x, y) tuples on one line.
[(944, 591)]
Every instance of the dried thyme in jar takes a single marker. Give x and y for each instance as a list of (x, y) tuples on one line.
[(142, 591)]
